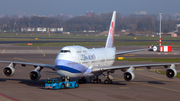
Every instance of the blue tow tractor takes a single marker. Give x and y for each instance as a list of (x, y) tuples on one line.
[(55, 84)]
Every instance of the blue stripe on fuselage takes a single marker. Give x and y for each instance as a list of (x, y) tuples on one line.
[(70, 66), (69, 69)]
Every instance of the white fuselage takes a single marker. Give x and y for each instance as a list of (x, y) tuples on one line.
[(77, 61)]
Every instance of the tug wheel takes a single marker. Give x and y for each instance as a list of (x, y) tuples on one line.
[(76, 85), (63, 86)]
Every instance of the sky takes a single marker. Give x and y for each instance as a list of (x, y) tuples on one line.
[(78, 7)]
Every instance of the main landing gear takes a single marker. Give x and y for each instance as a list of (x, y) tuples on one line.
[(109, 78), (96, 80)]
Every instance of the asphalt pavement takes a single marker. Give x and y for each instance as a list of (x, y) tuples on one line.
[(147, 85)]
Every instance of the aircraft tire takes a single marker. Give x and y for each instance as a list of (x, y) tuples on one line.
[(106, 81)]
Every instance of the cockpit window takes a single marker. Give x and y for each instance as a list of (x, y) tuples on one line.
[(65, 51)]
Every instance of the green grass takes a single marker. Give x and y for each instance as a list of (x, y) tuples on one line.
[(159, 71)]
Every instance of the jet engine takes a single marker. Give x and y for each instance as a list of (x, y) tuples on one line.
[(35, 75), (8, 71), (128, 76), (171, 72)]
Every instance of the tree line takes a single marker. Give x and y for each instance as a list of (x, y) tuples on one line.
[(97, 22)]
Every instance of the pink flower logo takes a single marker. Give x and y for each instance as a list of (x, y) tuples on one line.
[(112, 32)]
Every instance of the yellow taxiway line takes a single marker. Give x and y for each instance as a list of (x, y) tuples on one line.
[(3, 51), (26, 60), (41, 51)]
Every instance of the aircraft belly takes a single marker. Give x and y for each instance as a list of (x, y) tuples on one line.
[(88, 74)]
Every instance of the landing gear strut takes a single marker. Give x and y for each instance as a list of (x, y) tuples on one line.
[(96, 80), (109, 79), (65, 78)]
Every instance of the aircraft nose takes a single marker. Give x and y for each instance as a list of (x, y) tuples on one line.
[(60, 63)]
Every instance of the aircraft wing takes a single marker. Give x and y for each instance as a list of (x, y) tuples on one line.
[(32, 64), (124, 52), (106, 68)]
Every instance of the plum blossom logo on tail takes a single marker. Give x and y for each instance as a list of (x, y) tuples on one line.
[(112, 33)]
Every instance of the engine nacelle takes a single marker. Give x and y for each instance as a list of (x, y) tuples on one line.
[(128, 76), (171, 72), (34, 75), (8, 71)]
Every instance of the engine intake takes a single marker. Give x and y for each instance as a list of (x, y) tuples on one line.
[(171, 72), (128, 76), (8, 71), (34, 75)]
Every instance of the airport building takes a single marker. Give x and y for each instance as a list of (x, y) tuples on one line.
[(42, 29)]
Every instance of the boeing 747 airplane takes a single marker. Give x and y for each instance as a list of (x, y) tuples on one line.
[(80, 62)]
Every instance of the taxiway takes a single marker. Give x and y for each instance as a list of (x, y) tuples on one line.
[(147, 85)]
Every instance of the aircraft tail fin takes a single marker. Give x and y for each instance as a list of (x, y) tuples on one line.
[(110, 38)]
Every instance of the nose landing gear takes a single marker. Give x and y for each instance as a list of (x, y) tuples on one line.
[(65, 78)]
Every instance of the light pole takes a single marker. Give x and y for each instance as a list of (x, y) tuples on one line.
[(160, 29)]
